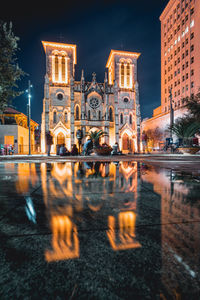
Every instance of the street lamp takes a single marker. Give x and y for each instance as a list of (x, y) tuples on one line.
[(171, 112), (29, 114)]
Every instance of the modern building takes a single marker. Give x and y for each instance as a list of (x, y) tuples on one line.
[(14, 131), (69, 105), (180, 60), (180, 52)]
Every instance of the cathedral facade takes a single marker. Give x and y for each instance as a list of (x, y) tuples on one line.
[(69, 105)]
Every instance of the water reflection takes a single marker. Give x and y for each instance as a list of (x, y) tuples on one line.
[(121, 233), (80, 196), (65, 242), (180, 213)]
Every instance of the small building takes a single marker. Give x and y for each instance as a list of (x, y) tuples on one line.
[(14, 131)]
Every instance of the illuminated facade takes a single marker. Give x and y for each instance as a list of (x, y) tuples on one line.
[(180, 60), (14, 131), (69, 105), (180, 52)]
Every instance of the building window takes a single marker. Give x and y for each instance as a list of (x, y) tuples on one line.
[(66, 119), (59, 67), (56, 68), (121, 119), (77, 117), (99, 115), (192, 72), (192, 60), (192, 47), (192, 35), (54, 117), (60, 96), (130, 119), (122, 74), (63, 68), (192, 84), (88, 114), (111, 114), (128, 75)]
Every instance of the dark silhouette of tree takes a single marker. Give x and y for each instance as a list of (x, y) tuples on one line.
[(10, 72)]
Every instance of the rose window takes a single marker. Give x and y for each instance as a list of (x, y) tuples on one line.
[(94, 102)]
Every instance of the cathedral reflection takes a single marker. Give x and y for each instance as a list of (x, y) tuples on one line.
[(74, 187)]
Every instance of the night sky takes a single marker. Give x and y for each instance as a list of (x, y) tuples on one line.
[(95, 27)]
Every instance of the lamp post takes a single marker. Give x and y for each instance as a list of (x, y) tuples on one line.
[(29, 114), (171, 112), (171, 117)]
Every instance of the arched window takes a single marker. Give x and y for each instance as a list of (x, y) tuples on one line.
[(63, 69), (88, 114), (99, 115), (56, 68), (122, 74), (130, 119), (54, 117), (77, 117), (128, 74), (121, 119), (66, 119), (111, 114)]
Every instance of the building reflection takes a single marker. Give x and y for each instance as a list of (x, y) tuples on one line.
[(121, 232), (27, 178), (65, 242), (180, 232), (69, 189), (74, 187)]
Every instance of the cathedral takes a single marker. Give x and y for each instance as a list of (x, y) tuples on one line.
[(69, 105)]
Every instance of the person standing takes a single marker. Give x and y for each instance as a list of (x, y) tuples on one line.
[(49, 142)]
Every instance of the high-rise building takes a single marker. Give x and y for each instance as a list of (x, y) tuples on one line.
[(180, 52), (180, 64)]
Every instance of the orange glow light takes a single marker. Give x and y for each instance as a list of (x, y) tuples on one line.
[(122, 53), (61, 45)]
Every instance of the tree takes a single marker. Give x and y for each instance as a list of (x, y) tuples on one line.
[(185, 128), (153, 136), (10, 72), (95, 136), (193, 106)]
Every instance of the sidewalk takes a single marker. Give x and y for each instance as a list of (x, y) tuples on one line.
[(128, 157)]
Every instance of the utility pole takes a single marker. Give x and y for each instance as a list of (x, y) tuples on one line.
[(29, 115)]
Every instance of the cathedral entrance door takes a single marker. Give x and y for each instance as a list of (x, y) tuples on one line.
[(125, 142), (60, 139)]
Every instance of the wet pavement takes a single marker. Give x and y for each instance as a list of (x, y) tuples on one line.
[(99, 230)]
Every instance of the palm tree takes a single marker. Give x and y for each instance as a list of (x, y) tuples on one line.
[(185, 128), (95, 136)]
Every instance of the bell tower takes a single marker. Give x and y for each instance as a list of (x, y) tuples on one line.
[(60, 68), (122, 75)]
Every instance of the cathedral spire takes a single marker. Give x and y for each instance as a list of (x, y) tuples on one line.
[(106, 77), (82, 75), (94, 77)]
